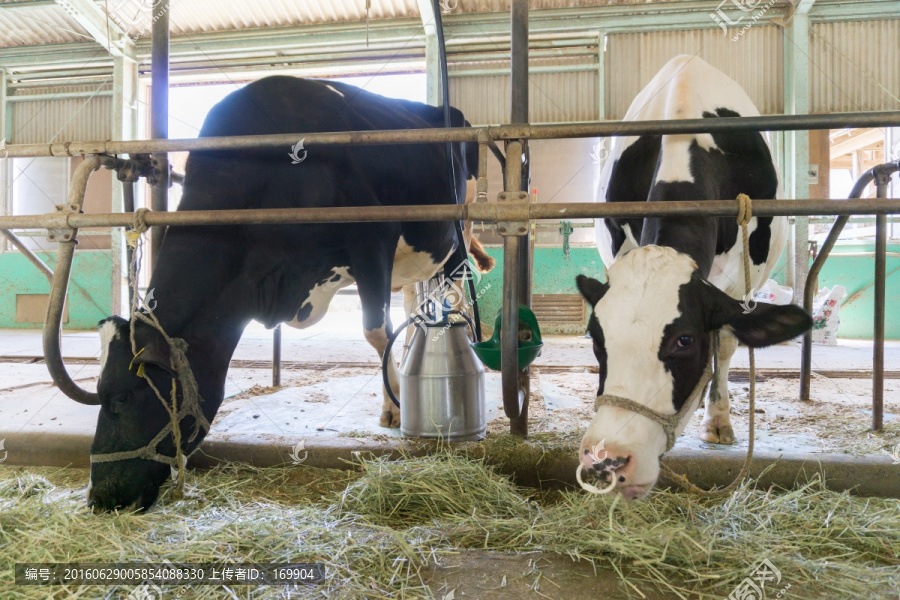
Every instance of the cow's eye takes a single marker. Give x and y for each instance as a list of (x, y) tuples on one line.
[(685, 341), (118, 402)]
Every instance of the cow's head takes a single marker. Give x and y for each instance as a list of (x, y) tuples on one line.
[(131, 415), (651, 326)]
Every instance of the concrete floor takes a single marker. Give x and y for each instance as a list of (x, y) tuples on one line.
[(317, 402)]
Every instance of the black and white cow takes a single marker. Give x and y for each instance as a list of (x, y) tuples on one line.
[(673, 281), (209, 282)]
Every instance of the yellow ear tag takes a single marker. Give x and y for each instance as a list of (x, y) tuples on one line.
[(140, 370)]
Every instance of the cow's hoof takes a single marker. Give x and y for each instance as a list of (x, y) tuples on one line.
[(716, 433), (390, 415)]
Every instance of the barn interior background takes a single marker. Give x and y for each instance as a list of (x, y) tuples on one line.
[(80, 70)]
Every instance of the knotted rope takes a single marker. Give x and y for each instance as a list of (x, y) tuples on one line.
[(670, 423), (191, 399), (745, 213)]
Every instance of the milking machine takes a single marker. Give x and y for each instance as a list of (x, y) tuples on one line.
[(441, 380)]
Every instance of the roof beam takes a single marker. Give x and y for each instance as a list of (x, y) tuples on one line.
[(100, 27), (868, 137), (803, 7), (462, 30), (432, 54)]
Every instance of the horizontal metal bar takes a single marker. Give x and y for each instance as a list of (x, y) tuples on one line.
[(60, 96), (485, 211), (470, 134)]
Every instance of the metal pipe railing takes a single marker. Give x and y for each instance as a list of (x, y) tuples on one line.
[(881, 175), (67, 239), (469, 134), (485, 211), (159, 115), (882, 180)]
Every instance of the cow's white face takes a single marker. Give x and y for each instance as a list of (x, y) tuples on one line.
[(651, 326)]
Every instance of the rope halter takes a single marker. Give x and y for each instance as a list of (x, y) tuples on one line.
[(178, 362), (669, 423)]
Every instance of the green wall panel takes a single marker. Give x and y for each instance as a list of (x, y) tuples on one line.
[(856, 273), (553, 274), (90, 277)]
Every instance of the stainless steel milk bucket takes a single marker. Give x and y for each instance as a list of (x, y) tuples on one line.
[(442, 385)]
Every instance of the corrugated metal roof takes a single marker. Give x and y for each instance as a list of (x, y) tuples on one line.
[(196, 16), (38, 25), (48, 24), (855, 66), (755, 61)]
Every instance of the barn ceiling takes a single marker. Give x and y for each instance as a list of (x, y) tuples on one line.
[(34, 22)]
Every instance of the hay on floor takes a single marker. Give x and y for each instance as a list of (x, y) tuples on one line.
[(376, 528)]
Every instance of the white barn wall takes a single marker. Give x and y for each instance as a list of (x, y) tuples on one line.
[(66, 119), (855, 66), (754, 61)]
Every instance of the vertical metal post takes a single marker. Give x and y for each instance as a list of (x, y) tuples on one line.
[(516, 248), (812, 281), (882, 179), (128, 206), (276, 356), (159, 114), (796, 102)]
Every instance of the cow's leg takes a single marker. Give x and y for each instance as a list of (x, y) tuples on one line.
[(372, 270), (716, 427)]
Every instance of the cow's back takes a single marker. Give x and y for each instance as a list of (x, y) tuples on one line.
[(692, 167)]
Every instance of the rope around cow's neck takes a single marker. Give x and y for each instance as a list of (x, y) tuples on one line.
[(745, 213), (670, 422), (191, 399)]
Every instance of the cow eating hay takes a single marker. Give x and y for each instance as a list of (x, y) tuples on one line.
[(674, 283), (210, 282)]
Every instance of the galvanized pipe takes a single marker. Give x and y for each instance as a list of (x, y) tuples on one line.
[(31, 256), (159, 115), (522, 243), (470, 134), (486, 211), (812, 280), (514, 399), (276, 356), (128, 208), (58, 288), (882, 180)]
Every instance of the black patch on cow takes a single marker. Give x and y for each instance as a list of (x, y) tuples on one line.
[(630, 180), (686, 366), (599, 344), (741, 163), (336, 278)]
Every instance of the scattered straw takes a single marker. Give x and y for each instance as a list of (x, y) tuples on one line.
[(376, 529)]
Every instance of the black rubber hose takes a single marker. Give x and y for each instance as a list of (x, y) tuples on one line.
[(445, 101), (387, 357)]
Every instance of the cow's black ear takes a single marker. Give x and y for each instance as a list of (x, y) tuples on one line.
[(757, 325), (591, 289), (152, 348)]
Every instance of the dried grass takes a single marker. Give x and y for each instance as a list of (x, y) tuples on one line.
[(376, 529)]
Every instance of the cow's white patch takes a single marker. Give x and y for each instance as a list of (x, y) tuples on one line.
[(341, 94), (411, 266), (641, 301), (109, 331), (320, 297)]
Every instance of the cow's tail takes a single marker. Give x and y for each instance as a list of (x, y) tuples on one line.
[(484, 261)]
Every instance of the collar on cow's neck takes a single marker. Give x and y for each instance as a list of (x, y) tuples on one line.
[(669, 423)]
